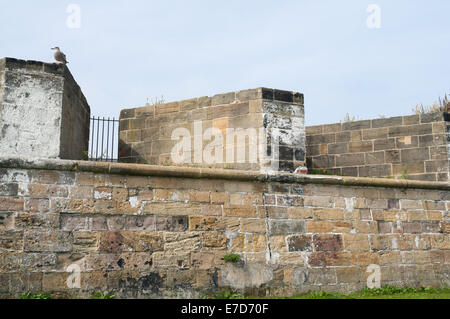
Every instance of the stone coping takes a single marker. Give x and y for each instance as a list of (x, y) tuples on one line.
[(58, 69), (235, 97), (396, 121), (208, 173)]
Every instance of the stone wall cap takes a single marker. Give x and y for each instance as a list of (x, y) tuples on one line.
[(260, 93), (13, 63), (58, 69), (208, 173)]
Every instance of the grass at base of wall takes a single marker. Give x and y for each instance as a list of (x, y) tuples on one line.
[(388, 292), (29, 295)]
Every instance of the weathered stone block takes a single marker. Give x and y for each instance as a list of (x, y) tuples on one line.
[(85, 241), (409, 167), (431, 117), (356, 136), (300, 213), (392, 121), (411, 119), (316, 129), (356, 125), (327, 242), (11, 240), (407, 142), (380, 242), (247, 276), (171, 223), (320, 139), (365, 258), (432, 140), (25, 220), (389, 257), (356, 242), (322, 276), (328, 214), (10, 189), (439, 153), (375, 158), (48, 241), (348, 275), (415, 155), (384, 227), (422, 129), (440, 241), (436, 166), (360, 146), (6, 221), (325, 161), (202, 223), (338, 148), (299, 243), (202, 260), (253, 226), (392, 156), (115, 242), (321, 259), (375, 170), (366, 227), (384, 144), (11, 204), (214, 240), (241, 211), (150, 242), (286, 227), (349, 159), (248, 243), (318, 226)]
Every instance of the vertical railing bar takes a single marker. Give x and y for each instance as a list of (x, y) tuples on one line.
[(112, 142), (98, 132), (103, 136), (107, 142), (92, 139)]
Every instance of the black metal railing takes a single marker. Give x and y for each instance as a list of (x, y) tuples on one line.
[(104, 139)]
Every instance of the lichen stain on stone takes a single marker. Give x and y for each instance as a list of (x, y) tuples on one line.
[(151, 282), (112, 242), (121, 263)]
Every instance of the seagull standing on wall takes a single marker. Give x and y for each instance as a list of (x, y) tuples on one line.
[(59, 56)]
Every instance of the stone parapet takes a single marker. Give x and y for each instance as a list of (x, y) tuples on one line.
[(409, 147), (43, 112), (260, 130)]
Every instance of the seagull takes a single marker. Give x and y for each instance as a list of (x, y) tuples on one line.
[(59, 56)]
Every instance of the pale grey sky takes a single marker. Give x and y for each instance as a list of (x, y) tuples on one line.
[(127, 51)]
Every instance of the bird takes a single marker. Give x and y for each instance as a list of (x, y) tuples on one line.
[(59, 56)]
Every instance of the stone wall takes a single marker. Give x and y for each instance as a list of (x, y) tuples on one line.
[(265, 116), (43, 112), (157, 231), (413, 147)]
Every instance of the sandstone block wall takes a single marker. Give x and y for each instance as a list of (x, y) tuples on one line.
[(43, 112), (414, 147), (274, 115), (155, 231)]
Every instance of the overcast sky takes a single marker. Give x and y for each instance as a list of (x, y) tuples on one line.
[(127, 51)]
